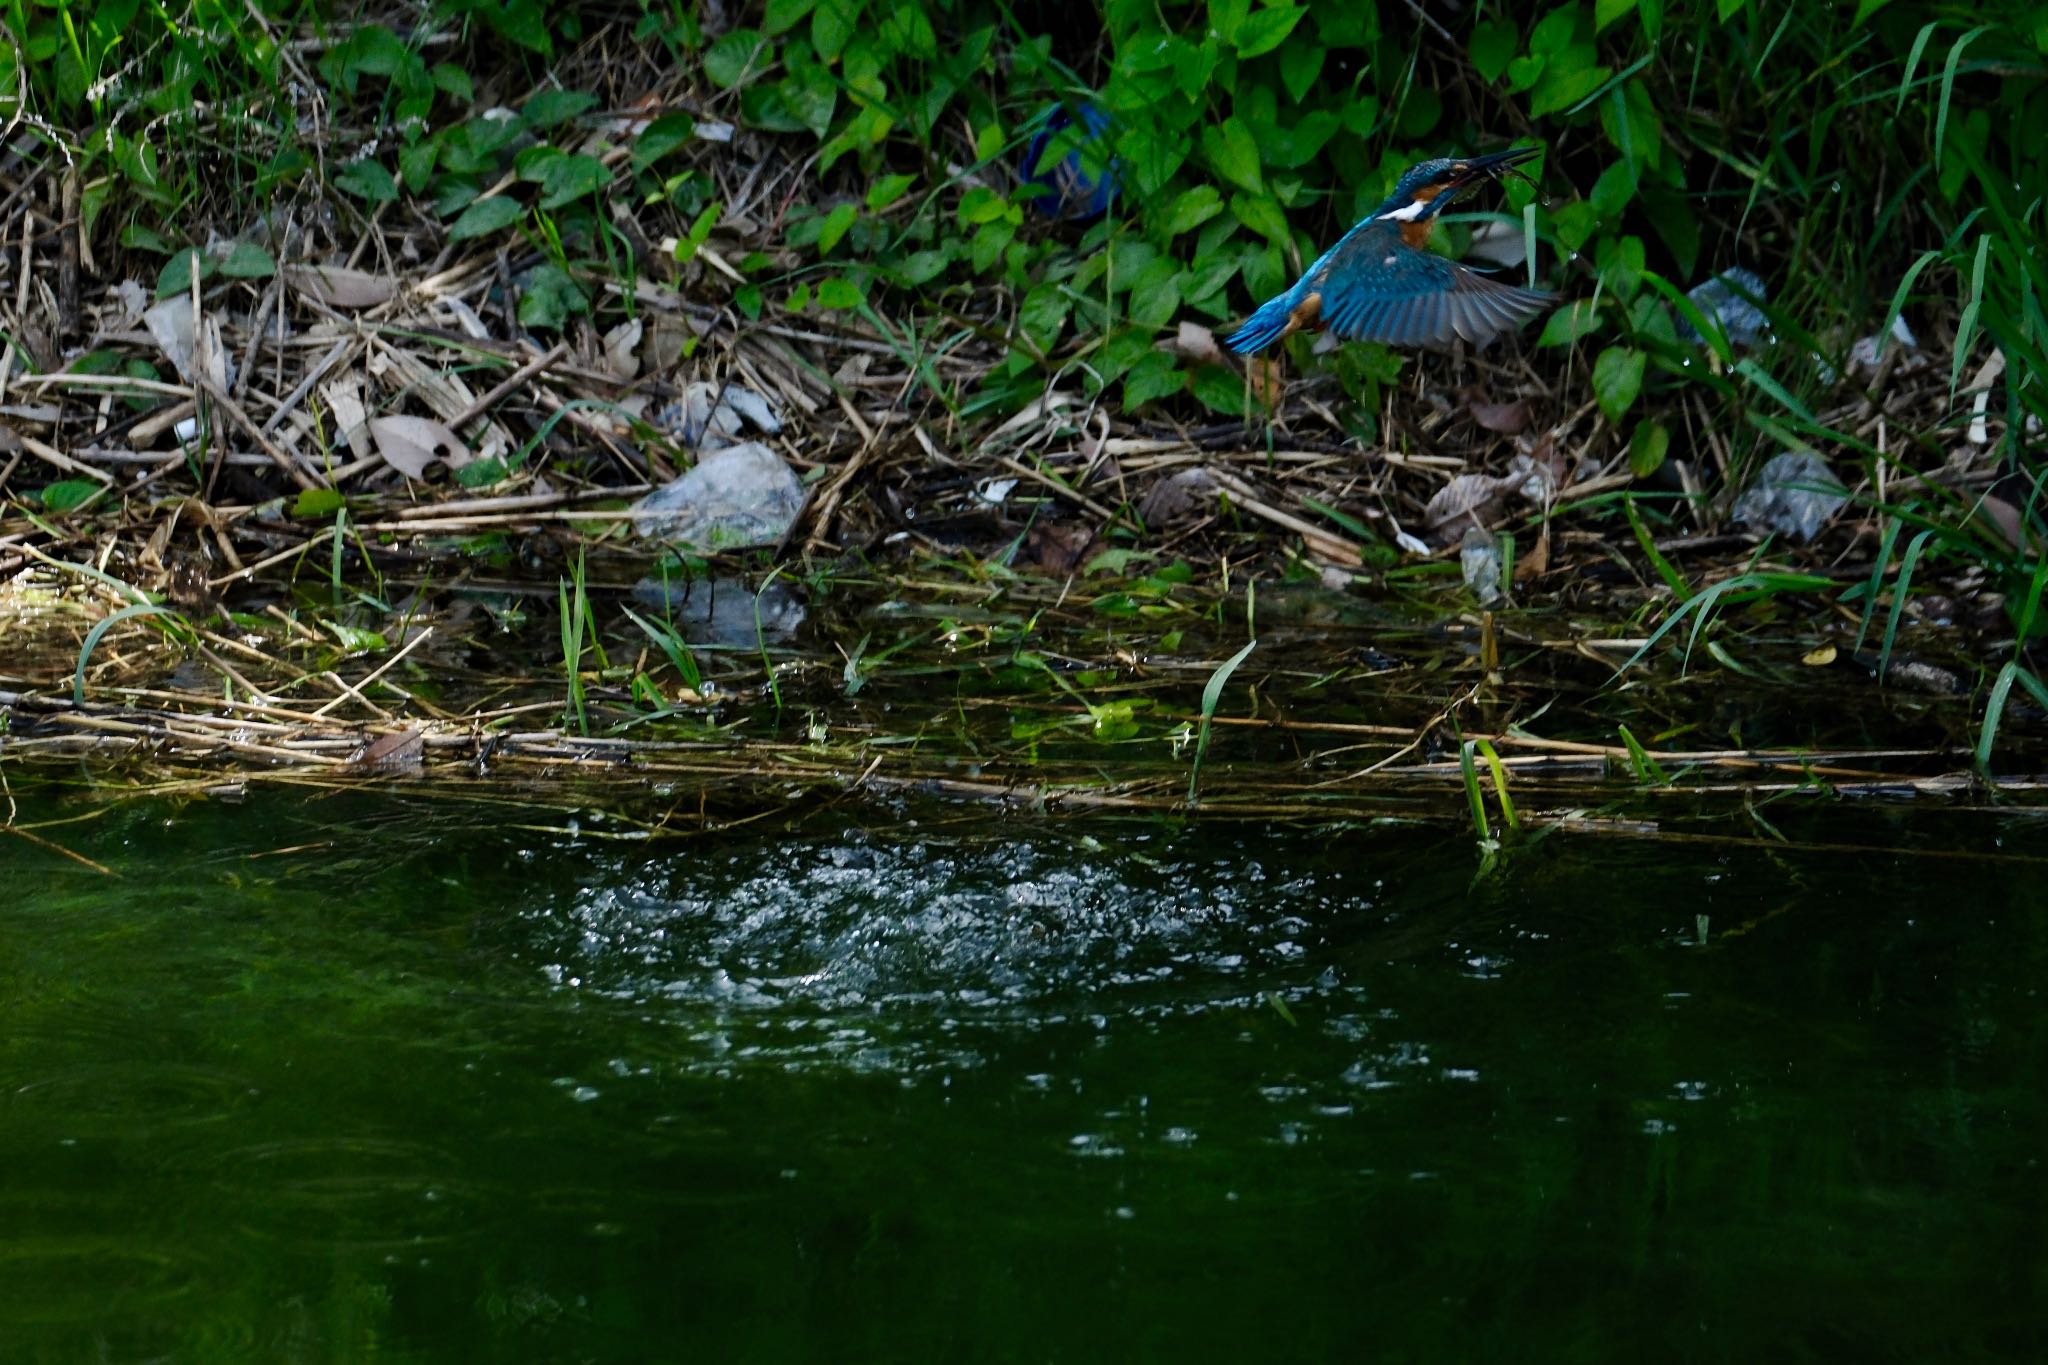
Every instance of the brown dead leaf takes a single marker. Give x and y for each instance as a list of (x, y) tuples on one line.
[(1534, 562), (410, 444), (1267, 382), (1189, 492), (1465, 500), (1058, 549), (404, 752), (1506, 418), (338, 286)]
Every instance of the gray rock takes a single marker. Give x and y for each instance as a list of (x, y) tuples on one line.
[(1742, 321), (724, 611), (1795, 495), (733, 498)]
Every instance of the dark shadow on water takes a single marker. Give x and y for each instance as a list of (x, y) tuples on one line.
[(355, 1077)]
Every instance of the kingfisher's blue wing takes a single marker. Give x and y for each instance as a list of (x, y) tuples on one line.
[(1375, 287)]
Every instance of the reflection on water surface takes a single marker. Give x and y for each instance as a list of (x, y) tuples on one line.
[(353, 1077)]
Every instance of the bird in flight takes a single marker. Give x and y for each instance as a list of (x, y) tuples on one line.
[(1382, 283)]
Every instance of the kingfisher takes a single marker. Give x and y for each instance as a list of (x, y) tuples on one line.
[(1382, 283)]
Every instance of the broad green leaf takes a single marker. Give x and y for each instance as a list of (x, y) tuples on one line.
[(416, 163), (1261, 215), (1606, 12), (1154, 376), (485, 216), (833, 24), (318, 504), (835, 227), (888, 190), (1576, 319), (571, 178), (1233, 153), (737, 56), (1220, 390), (1301, 61), (781, 16), (1612, 192), (1190, 209), (452, 81), (661, 137), (1267, 29), (550, 107), (247, 261), (1647, 446), (836, 291), (66, 494), (1493, 47), (1617, 379), (176, 276), (367, 179)]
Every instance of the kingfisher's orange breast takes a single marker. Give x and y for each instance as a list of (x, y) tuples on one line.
[(1417, 234)]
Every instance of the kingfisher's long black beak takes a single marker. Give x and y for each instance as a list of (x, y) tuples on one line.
[(1493, 165)]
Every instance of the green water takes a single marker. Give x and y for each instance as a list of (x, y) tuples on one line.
[(361, 1077)]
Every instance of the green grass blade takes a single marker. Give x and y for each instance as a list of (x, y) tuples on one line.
[(1212, 694), (93, 636)]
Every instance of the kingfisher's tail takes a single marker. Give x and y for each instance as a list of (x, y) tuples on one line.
[(1263, 327)]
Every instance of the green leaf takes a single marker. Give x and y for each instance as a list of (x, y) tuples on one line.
[(1190, 209), (1493, 47), (247, 261), (550, 297), (1576, 319), (570, 178), (1617, 379), (1612, 192), (735, 57), (1647, 447), (452, 81), (1262, 216), (1154, 376), (837, 222), (1606, 12), (318, 504), (1220, 390), (661, 137), (747, 298), (1233, 153), (67, 494), (485, 216), (141, 238), (550, 107), (783, 15), (176, 276), (367, 179), (888, 190), (1301, 61), (836, 291), (1042, 314), (833, 24), (1267, 29), (1561, 88), (416, 163)]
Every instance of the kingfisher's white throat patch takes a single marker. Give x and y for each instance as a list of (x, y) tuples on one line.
[(1408, 212)]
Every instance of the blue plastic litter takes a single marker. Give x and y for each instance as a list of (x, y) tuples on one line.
[(1742, 321), (1082, 186)]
